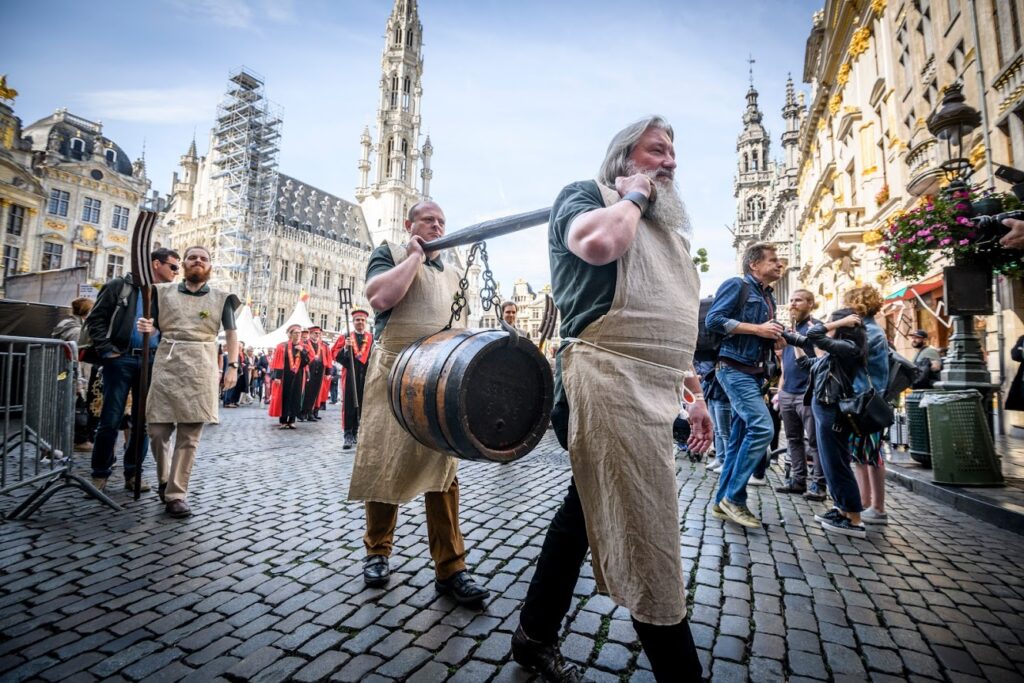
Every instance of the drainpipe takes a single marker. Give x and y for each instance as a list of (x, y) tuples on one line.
[(986, 137)]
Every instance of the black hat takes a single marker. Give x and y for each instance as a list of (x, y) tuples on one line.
[(919, 333)]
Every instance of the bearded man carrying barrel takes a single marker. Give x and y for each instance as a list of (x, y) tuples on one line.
[(628, 292), (411, 294)]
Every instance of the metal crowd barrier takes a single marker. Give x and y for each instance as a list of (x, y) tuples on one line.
[(37, 421)]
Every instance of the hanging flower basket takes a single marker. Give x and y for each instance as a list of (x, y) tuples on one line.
[(940, 226)]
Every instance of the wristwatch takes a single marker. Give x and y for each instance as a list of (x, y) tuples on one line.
[(233, 365)]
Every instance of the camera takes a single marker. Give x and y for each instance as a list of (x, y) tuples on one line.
[(980, 214)]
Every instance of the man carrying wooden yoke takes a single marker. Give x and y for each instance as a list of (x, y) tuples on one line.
[(411, 295)]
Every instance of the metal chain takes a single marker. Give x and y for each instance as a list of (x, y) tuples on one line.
[(488, 292)]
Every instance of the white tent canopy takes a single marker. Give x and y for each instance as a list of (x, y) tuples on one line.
[(299, 316), (250, 330)]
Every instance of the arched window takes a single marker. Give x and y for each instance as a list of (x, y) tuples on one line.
[(77, 147), (111, 157), (408, 38), (746, 162), (406, 88), (398, 35), (391, 162), (755, 208), (394, 92), (405, 158), (753, 160)]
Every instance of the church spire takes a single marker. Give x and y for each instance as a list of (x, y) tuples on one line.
[(388, 191)]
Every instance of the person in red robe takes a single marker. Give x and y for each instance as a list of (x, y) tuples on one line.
[(353, 351), (319, 360), (288, 369)]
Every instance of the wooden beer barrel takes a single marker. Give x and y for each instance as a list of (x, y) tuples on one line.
[(472, 394)]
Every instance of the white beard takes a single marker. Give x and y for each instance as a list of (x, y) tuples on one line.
[(667, 211)]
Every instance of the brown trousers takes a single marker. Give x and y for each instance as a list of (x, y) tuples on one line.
[(174, 471), (447, 548)]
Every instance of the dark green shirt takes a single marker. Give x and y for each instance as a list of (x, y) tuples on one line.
[(582, 292), (381, 262), (227, 316)]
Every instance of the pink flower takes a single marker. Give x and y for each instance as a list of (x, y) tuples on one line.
[(924, 233), (945, 241), (896, 256), (963, 221), (960, 207), (929, 238), (972, 235), (964, 243)]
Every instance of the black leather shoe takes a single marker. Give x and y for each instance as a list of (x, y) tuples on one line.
[(545, 659), (376, 572), (177, 509), (462, 587), (791, 487), (349, 443)]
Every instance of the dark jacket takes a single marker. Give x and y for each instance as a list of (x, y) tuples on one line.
[(759, 307), (832, 375), (112, 318), (1015, 396)]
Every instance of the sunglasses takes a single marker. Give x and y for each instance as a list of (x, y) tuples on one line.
[(173, 266)]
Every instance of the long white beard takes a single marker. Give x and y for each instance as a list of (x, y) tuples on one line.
[(667, 211)]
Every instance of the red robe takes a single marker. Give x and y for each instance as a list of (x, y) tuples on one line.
[(362, 358), (328, 359), (277, 361)]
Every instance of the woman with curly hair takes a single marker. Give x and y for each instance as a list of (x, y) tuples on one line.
[(866, 450)]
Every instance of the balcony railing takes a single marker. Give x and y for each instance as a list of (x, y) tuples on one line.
[(1010, 84), (923, 162)]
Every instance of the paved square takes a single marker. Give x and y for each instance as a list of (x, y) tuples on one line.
[(263, 582)]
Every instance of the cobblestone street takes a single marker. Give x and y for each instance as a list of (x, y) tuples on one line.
[(263, 581)]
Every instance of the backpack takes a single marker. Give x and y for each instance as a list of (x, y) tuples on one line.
[(708, 342), (902, 374), (86, 351)]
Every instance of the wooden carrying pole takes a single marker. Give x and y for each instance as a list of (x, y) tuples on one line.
[(488, 229), (142, 275)]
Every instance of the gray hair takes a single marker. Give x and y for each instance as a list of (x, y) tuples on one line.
[(622, 145), (754, 253)]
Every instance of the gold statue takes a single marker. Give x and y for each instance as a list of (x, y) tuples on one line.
[(5, 92)]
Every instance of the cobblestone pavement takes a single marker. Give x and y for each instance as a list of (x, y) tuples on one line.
[(263, 582)]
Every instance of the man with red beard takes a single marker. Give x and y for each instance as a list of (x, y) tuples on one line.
[(628, 292), (184, 389)]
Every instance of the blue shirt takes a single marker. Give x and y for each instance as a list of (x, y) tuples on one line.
[(154, 336), (748, 349), (794, 378)]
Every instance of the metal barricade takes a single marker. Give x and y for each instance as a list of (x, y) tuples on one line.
[(37, 421)]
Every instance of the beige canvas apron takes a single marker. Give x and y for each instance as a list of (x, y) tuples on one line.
[(620, 423), (184, 387), (390, 466)]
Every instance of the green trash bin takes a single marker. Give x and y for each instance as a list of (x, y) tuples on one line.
[(961, 445), (917, 429)]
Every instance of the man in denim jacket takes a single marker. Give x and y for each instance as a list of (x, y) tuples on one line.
[(751, 332)]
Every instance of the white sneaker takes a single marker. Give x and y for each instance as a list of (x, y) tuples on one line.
[(716, 468), (757, 481), (870, 516)]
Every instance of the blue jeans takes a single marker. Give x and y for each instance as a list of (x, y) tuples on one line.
[(120, 376), (834, 453), (721, 415), (749, 437)]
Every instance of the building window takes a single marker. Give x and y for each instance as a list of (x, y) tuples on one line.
[(280, 317), (323, 321), (115, 266), (352, 282), (298, 273), (77, 148), (394, 92), (91, 210), (405, 159), (314, 277), (408, 38), (327, 279), (337, 323), (925, 28), (15, 220), (406, 87), (284, 271), (398, 35), (120, 221), (83, 258), (111, 157), (953, 7), (58, 204), (51, 256), (11, 256)]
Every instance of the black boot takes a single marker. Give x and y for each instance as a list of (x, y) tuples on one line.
[(348, 443), (376, 571), (545, 659)]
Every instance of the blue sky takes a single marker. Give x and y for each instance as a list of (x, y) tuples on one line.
[(520, 98)]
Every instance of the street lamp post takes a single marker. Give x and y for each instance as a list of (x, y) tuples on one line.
[(951, 123)]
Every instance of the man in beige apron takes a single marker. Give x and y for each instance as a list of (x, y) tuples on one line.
[(411, 295), (628, 294), (184, 389)]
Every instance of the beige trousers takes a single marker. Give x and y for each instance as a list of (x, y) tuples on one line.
[(174, 471)]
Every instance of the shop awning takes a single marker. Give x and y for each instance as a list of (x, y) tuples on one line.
[(922, 287)]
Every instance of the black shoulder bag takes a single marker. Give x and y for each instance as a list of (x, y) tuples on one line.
[(867, 412)]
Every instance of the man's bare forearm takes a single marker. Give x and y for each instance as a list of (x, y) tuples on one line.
[(384, 291)]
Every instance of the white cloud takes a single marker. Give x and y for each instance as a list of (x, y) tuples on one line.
[(151, 105), (229, 13)]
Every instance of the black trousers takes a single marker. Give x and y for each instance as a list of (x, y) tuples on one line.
[(671, 649)]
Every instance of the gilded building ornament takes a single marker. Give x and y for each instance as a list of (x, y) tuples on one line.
[(844, 74), (878, 7), (872, 237), (977, 156), (120, 239), (859, 42), (6, 93), (835, 103), (55, 225)]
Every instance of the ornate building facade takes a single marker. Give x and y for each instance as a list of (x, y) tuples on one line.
[(279, 238), (530, 307), (876, 70), (69, 196)]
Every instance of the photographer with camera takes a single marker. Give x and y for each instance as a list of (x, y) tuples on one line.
[(1015, 238)]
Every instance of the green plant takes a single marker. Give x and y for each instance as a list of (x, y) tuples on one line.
[(940, 225), (701, 260)]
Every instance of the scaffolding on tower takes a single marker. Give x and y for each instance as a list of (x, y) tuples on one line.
[(246, 138)]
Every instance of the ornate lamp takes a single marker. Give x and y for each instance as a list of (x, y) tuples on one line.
[(953, 122)]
